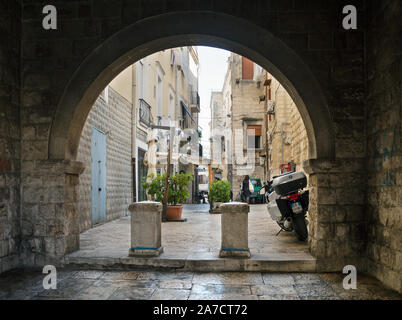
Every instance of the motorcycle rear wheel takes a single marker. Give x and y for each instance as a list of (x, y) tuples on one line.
[(300, 227)]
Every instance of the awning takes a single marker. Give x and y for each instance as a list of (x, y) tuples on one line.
[(185, 109)]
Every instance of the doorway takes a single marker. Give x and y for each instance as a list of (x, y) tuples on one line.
[(98, 176)]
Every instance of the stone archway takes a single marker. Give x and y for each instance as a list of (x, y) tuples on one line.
[(181, 29)]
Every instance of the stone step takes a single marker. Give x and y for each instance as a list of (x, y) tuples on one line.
[(199, 265)]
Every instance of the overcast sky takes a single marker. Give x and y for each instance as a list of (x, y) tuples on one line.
[(213, 66)]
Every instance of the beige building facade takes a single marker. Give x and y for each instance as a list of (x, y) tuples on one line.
[(255, 126), (166, 90), (161, 89), (286, 134)]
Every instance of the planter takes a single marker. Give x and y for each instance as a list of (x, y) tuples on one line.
[(174, 212), (216, 207)]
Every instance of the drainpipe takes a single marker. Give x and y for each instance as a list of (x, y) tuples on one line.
[(283, 140), (266, 128), (133, 114), (175, 102), (267, 98), (134, 130)]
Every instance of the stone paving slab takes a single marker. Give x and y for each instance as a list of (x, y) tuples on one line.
[(112, 285), (195, 245)]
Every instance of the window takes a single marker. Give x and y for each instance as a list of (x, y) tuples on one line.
[(254, 137)]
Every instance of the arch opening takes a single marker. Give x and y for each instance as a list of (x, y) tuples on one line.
[(184, 29)]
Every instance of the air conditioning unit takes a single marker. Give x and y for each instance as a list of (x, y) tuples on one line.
[(271, 107)]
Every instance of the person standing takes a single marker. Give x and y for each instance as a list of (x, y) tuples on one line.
[(246, 190)]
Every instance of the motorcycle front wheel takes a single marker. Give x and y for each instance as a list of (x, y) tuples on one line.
[(300, 227)]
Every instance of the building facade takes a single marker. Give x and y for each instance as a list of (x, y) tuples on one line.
[(287, 141), (166, 89), (161, 89), (256, 129)]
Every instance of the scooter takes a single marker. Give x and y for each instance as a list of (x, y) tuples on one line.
[(267, 189), (288, 203)]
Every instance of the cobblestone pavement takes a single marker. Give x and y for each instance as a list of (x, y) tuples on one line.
[(197, 238), (142, 285)]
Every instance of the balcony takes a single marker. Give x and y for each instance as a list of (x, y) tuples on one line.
[(145, 113), (194, 102)]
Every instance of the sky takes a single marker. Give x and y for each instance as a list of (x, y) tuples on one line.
[(213, 66)]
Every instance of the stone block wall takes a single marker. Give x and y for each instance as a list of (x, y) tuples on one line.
[(337, 229), (295, 141), (299, 139), (49, 221), (113, 118), (384, 147), (313, 29), (10, 134)]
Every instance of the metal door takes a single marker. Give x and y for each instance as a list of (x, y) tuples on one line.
[(98, 176)]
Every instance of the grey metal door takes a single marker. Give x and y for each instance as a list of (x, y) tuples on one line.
[(98, 176)]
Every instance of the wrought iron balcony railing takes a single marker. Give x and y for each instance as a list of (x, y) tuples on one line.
[(145, 113)]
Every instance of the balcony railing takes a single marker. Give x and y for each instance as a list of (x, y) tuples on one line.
[(145, 113), (194, 101)]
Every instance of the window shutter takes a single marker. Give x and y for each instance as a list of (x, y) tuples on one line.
[(254, 131), (247, 69)]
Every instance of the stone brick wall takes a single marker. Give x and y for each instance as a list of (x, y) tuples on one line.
[(295, 141), (299, 139), (10, 133), (113, 118), (312, 29), (384, 165)]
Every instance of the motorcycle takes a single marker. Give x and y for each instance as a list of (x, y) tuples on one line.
[(288, 203), (266, 190)]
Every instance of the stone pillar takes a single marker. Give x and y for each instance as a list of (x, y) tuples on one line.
[(146, 219), (50, 221), (234, 224), (336, 213), (71, 204)]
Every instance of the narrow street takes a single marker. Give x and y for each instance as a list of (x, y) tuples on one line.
[(199, 237)]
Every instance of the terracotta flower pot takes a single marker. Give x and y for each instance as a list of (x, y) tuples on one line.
[(174, 212)]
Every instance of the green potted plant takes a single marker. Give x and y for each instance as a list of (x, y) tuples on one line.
[(177, 192), (219, 192)]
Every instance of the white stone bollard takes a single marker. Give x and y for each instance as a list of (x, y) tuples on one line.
[(146, 219), (234, 224)]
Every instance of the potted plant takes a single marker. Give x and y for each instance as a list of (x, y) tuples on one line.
[(177, 192), (219, 192)]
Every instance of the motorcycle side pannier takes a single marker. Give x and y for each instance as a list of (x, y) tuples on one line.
[(289, 182)]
